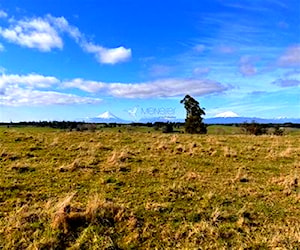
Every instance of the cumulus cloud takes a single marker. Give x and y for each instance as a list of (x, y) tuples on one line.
[(109, 56), (29, 81), (33, 33), (29, 90), (45, 33), (291, 57), (246, 66)]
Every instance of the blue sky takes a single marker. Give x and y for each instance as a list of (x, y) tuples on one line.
[(66, 59)]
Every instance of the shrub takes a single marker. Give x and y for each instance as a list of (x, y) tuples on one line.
[(168, 128), (254, 128)]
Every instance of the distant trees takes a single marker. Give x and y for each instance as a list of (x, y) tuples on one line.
[(194, 121), (254, 128), (261, 129)]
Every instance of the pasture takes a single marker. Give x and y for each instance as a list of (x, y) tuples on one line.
[(131, 189)]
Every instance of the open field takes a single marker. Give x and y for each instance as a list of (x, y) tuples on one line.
[(139, 190)]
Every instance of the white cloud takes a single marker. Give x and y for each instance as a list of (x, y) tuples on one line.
[(85, 85), (44, 34), (3, 14), (26, 97), (102, 54), (29, 81), (63, 26), (108, 56), (291, 57), (165, 88), (1, 47), (159, 88), (18, 90), (33, 89), (33, 33)]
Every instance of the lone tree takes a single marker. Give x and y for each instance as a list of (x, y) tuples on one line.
[(193, 121)]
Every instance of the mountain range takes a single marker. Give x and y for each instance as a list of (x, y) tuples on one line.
[(108, 117), (230, 120)]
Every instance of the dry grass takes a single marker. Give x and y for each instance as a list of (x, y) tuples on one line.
[(134, 190)]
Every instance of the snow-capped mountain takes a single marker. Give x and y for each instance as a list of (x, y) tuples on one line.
[(239, 120), (106, 117), (230, 117), (227, 117), (227, 114)]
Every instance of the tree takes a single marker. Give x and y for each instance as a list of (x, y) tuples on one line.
[(193, 121)]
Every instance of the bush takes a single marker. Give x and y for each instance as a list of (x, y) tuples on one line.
[(254, 128), (278, 131), (168, 128)]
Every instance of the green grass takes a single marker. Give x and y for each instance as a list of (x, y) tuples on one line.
[(138, 190), (223, 130)]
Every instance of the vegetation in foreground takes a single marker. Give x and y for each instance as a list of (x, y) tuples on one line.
[(137, 190)]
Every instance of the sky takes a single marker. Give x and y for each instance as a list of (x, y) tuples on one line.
[(76, 59)]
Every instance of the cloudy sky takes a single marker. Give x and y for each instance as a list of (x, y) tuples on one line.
[(66, 59)]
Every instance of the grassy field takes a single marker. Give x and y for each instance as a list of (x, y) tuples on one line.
[(138, 190)]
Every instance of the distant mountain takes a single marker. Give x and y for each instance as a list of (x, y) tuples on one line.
[(227, 114), (229, 120), (106, 117), (226, 119), (223, 118)]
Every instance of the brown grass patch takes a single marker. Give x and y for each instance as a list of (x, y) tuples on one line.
[(289, 183), (189, 176), (69, 218)]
